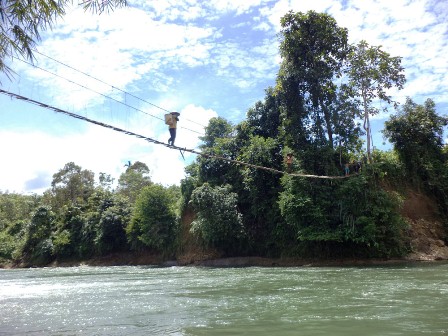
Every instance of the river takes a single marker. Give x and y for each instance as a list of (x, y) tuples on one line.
[(408, 299)]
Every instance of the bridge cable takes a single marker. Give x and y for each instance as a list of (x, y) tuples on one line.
[(211, 156), (112, 86), (99, 93)]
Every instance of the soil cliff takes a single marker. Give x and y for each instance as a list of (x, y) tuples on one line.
[(426, 232)]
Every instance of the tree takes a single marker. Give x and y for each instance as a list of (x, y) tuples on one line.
[(38, 247), (69, 238), (313, 48), (106, 181), (218, 141), (264, 118), (218, 222), (110, 230), (16, 212), (416, 132), (217, 128), (72, 184), (22, 22), (350, 217), (371, 73), (258, 199), (16, 208), (153, 224), (133, 180)]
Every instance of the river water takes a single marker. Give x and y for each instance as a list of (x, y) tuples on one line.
[(409, 299)]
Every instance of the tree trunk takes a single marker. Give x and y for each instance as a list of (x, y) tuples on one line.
[(367, 126), (327, 118)]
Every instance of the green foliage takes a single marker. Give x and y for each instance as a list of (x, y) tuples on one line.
[(153, 224), (15, 208), (258, 198), (187, 185), (416, 132), (7, 246), (71, 185), (97, 228), (16, 212), (110, 231), (106, 181), (353, 211), (38, 246), (389, 167), (218, 128), (217, 141), (371, 72), (133, 180), (323, 86), (219, 170), (304, 204), (264, 118), (69, 237), (218, 223), (370, 217), (313, 48), (61, 241)]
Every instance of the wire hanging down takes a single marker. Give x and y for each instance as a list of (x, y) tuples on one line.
[(212, 156)]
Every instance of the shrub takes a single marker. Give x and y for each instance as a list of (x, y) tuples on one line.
[(218, 222), (153, 223)]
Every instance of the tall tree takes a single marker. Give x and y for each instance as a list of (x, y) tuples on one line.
[(218, 140), (264, 118), (72, 184), (313, 48), (133, 180), (106, 181), (22, 21), (217, 128), (258, 197), (371, 73)]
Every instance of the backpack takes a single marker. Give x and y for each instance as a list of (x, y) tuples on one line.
[(168, 119)]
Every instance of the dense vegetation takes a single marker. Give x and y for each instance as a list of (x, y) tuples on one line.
[(319, 111)]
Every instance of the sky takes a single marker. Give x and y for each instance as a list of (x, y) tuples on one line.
[(204, 59)]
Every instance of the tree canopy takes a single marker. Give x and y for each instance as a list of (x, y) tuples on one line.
[(313, 48), (372, 72)]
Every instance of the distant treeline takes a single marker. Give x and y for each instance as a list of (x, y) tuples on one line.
[(319, 111)]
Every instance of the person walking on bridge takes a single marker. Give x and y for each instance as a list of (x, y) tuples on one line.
[(171, 120)]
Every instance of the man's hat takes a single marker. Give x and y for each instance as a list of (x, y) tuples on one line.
[(175, 114)]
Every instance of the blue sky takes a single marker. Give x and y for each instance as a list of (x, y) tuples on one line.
[(201, 58)]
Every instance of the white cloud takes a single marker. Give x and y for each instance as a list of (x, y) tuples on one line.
[(120, 48)]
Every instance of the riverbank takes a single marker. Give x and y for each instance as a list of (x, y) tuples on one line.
[(146, 259)]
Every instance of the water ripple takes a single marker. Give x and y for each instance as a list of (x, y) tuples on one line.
[(400, 300)]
